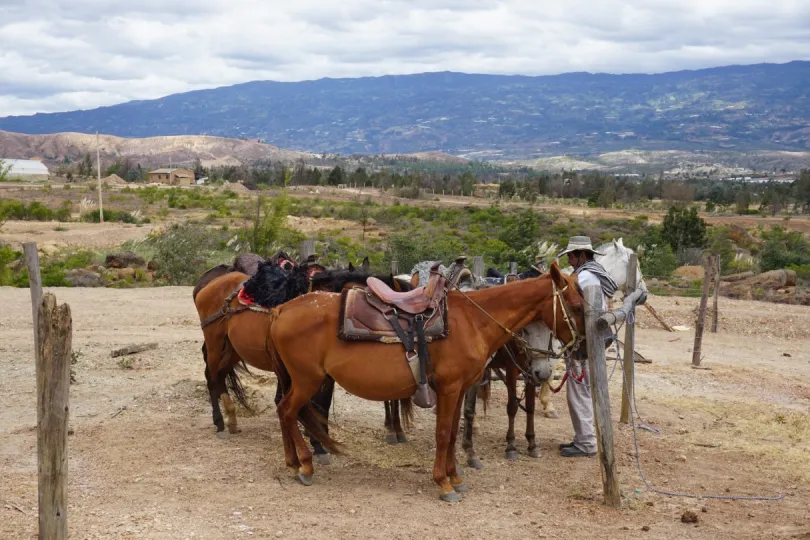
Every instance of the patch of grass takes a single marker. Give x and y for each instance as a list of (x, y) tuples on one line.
[(125, 362)]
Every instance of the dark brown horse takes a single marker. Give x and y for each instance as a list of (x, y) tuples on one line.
[(306, 350)]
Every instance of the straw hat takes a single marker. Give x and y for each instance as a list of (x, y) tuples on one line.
[(579, 243)]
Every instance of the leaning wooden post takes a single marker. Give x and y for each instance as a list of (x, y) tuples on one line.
[(34, 283), (704, 299), (715, 313), (597, 367), (478, 266), (307, 248), (628, 384), (53, 385), (394, 268)]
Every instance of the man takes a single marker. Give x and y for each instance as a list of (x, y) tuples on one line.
[(580, 405)]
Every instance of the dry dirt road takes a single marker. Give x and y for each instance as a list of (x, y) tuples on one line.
[(144, 461)]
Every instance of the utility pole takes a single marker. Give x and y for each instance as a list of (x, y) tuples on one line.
[(98, 163)]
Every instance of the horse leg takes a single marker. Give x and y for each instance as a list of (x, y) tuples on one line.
[(530, 393), (230, 411), (390, 434), (288, 411), (397, 420), (545, 400), (323, 402), (445, 414), (452, 472), (469, 415), (215, 388), (511, 410)]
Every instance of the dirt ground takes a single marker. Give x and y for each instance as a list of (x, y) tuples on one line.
[(145, 463)]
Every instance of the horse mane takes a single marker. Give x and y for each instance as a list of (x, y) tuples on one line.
[(336, 280), (491, 272), (272, 285)]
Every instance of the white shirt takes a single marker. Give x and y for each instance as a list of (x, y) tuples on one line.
[(586, 279)]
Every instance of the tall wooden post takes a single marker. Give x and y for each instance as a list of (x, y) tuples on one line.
[(597, 368), (34, 283), (513, 267), (628, 384), (715, 312), (701, 320), (394, 268), (53, 386), (478, 266), (307, 248)]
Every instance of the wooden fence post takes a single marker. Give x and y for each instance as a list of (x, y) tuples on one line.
[(34, 283), (307, 248), (715, 313), (701, 320), (53, 387), (628, 385), (597, 367), (394, 268), (513, 267), (478, 266)]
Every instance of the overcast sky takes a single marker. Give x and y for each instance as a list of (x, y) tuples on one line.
[(77, 54)]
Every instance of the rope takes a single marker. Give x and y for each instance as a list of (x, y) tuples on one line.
[(644, 425)]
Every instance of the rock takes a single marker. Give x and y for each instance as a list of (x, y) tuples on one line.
[(654, 282), (124, 273), (152, 265), (689, 517), (681, 458), (80, 277), (645, 528), (123, 260)]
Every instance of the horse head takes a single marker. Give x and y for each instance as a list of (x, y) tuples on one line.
[(563, 311), (615, 259)]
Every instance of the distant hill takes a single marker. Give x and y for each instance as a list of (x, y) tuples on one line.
[(764, 106)]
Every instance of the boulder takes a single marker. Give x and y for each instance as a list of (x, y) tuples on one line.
[(152, 266), (79, 277), (123, 260), (124, 273)]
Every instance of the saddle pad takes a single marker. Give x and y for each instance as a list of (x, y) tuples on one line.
[(362, 318), (247, 300)]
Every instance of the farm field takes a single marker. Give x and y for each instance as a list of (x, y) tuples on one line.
[(144, 461)]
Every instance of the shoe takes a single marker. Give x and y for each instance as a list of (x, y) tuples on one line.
[(566, 445), (573, 451)]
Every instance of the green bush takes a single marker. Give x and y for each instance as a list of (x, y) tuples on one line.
[(109, 215), (783, 249), (183, 252)]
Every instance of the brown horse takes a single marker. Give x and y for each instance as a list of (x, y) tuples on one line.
[(239, 339), (306, 349)]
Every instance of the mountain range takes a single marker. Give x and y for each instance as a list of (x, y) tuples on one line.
[(496, 117)]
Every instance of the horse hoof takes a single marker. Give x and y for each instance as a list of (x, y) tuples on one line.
[(512, 455), (551, 414), (402, 438), (322, 459), (475, 463), (224, 435), (461, 488), (305, 479), (391, 438), (451, 497), (534, 452), (233, 430)]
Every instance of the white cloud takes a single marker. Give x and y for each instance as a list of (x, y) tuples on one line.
[(63, 55)]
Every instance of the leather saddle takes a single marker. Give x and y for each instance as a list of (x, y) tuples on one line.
[(414, 318)]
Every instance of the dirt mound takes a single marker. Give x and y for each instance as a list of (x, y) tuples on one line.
[(114, 180), (236, 187), (689, 272)]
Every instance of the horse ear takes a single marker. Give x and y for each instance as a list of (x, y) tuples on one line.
[(351, 267), (621, 243), (366, 264), (415, 280), (556, 274), (615, 244)]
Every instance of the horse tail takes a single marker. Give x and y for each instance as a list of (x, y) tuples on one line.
[(313, 421), (232, 381), (406, 411)]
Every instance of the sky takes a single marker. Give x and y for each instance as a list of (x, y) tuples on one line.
[(59, 55)]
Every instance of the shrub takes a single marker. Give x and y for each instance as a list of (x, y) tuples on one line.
[(182, 252), (783, 249)]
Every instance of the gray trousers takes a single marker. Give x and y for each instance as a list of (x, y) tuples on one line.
[(580, 407)]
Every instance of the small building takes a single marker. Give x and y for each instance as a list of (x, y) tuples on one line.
[(172, 176), (25, 169)]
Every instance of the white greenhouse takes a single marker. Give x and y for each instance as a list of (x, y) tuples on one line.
[(25, 169)]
